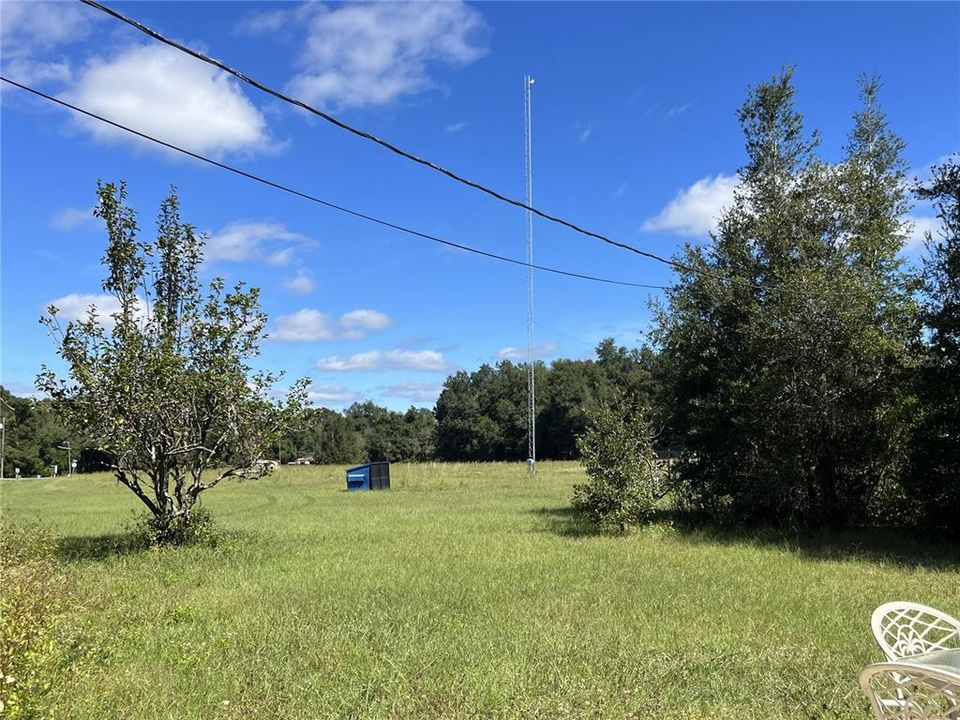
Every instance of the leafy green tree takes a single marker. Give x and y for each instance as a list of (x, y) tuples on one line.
[(22, 442), (617, 451), (164, 387), (325, 435), (336, 440), (785, 340), (483, 415), (934, 482), (386, 437), (421, 430), (392, 436), (379, 435), (467, 421), (457, 412), (35, 436), (569, 396)]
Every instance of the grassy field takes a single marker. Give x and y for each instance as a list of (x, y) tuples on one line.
[(466, 591)]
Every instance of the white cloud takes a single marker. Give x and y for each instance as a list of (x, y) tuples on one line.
[(621, 189), (26, 26), (357, 323), (242, 241), (676, 111), (311, 325), (172, 97), (280, 257), (332, 395), (76, 306), (307, 325), (586, 132), (415, 391), (695, 210), (513, 353), (71, 218), (372, 53), (454, 127), (36, 72), (300, 284), (424, 360), (275, 21), (28, 30), (918, 235)]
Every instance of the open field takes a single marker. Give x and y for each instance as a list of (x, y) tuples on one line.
[(466, 591)]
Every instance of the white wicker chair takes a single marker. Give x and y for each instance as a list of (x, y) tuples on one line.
[(903, 629), (902, 691)]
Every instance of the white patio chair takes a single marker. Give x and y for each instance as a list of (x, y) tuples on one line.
[(902, 691), (903, 629)]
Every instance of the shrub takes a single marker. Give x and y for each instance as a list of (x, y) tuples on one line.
[(34, 595), (195, 528), (617, 451)]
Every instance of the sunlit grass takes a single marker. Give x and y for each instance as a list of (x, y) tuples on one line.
[(465, 591)]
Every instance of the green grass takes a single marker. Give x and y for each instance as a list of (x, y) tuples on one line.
[(466, 591)]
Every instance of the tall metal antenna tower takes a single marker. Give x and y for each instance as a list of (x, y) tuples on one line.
[(531, 376)]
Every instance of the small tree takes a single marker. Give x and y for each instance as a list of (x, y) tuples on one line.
[(163, 387), (617, 451)]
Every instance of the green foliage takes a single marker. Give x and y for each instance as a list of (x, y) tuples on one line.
[(34, 436), (483, 415), (365, 431), (617, 451), (195, 528), (480, 415), (165, 390), (34, 600), (934, 483), (393, 436), (323, 434), (787, 343)]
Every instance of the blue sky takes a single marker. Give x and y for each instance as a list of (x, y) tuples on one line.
[(635, 135)]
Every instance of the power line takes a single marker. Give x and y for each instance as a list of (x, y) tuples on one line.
[(326, 203), (388, 145)]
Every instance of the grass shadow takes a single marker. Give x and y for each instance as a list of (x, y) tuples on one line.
[(879, 545), (566, 522), (98, 547), (917, 548)]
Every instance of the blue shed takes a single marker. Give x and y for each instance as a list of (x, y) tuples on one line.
[(371, 476)]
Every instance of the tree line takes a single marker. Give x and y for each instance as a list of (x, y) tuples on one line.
[(479, 416)]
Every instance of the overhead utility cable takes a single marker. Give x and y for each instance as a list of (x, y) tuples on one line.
[(388, 145), (326, 203)]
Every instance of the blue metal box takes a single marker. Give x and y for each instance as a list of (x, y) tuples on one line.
[(372, 476)]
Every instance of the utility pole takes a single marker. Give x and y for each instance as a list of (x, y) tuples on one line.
[(531, 375), (4, 406), (66, 446)]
